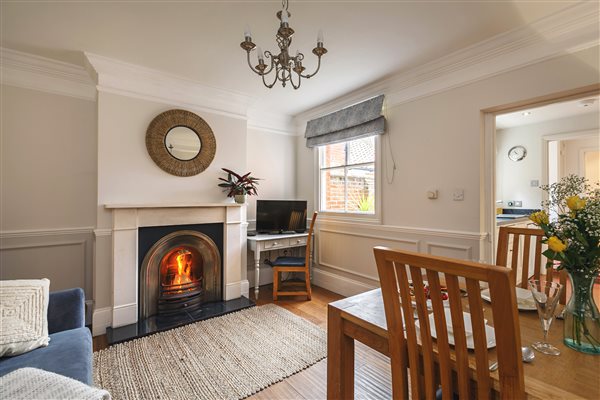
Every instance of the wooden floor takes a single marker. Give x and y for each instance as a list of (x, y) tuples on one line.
[(373, 379)]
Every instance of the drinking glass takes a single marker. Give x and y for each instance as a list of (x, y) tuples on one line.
[(546, 295)]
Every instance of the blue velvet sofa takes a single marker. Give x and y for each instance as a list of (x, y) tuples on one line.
[(70, 350)]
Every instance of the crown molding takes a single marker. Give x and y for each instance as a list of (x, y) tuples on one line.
[(114, 76), (28, 71), (280, 124), (572, 29)]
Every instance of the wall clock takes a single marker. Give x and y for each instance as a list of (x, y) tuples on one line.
[(517, 153)]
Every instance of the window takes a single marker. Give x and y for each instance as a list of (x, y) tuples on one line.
[(347, 176)]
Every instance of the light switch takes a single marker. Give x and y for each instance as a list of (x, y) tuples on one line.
[(459, 195), (534, 183), (432, 194)]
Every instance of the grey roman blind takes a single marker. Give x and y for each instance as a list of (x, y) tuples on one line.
[(360, 120)]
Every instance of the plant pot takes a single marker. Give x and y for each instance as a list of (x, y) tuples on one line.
[(240, 198), (582, 319)]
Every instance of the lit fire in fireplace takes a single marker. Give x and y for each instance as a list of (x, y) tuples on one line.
[(184, 267), (179, 273)]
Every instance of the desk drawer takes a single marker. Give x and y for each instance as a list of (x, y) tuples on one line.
[(298, 241), (275, 244)]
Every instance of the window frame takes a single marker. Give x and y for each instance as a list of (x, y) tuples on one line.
[(350, 216)]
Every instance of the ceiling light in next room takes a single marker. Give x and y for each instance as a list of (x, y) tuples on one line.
[(586, 102), (526, 113), (283, 63)]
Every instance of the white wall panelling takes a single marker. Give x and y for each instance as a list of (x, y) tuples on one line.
[(63, 255), (345, 263)]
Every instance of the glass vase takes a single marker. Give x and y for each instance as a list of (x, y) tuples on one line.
[(582, 318)]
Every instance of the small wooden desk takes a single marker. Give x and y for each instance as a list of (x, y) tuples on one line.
[(266, 242), (571, 375)]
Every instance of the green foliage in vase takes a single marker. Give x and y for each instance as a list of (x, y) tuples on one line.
[(237, 184), (573, 234)]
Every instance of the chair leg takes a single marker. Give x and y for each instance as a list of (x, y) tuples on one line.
[(275, 283), (308, 289)]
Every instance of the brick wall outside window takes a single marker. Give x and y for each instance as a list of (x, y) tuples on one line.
[(347, 188)]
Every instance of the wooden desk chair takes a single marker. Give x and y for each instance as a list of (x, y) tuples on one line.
[(520, 243), (448, 367), (294, 264)]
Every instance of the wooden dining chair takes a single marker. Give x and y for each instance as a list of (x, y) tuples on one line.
[(294, 264), (517, 247), (430, 362)]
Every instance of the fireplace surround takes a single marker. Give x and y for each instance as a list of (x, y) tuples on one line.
[(129, 219)]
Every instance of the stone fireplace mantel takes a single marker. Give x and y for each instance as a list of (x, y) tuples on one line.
[(127, 218)]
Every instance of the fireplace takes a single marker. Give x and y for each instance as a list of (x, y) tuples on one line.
[(137, 227), (181, 270)]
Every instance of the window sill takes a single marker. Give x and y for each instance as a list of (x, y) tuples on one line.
[(374, 219)]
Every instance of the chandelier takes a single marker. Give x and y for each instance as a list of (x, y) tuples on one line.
[(287, 68)]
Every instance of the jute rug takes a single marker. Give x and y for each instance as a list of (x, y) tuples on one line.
[(229, 357)]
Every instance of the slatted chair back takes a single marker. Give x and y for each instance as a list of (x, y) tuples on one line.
[(521, 249), (295, 264), (431, 362)]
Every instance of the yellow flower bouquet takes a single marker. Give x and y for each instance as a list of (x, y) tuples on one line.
[(571, 224)]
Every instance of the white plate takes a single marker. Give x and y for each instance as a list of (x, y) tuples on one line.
[(490, 334), (525, 301)]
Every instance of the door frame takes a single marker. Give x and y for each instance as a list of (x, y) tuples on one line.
[(487, 177)]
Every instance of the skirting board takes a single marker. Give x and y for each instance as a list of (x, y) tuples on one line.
[(101, 319), (339, 284), (236, 290)]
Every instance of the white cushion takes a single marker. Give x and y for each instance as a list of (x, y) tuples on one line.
[(23, 315), (33, 383)]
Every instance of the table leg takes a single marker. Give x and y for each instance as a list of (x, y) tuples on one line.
[(340, 358), (256, 273)]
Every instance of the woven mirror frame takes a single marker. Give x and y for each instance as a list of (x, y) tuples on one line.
[(157, 148)]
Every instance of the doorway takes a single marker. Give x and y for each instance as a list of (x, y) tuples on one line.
[(530, 144)]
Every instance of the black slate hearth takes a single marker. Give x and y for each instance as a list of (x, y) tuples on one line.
[(163, 323)]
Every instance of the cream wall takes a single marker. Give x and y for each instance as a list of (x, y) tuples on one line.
[(573, 152), (513, 178), (272, 158), (127, 174), (48, 181), (437, 143)]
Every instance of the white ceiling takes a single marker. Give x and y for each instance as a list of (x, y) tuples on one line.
[(548, 112), (367, 40)]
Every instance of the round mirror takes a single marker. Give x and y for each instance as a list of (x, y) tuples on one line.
[(180, 142), (183, 143)]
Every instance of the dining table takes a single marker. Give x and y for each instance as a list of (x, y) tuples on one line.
[(571, 375)]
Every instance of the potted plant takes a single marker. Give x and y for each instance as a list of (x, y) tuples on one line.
[(238, 186)]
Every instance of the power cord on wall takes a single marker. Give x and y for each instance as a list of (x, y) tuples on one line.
[(389, 179)]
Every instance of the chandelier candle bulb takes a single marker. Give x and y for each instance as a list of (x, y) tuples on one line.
[(260, 54), (320, 38)]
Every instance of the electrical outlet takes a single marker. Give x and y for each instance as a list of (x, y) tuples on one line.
[(534, 183), (458, 195), (518, 203)]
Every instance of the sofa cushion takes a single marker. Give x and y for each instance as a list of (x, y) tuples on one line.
[(23, 315), (69, 353)]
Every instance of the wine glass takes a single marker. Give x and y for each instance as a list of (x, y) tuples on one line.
[(546, 295)]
